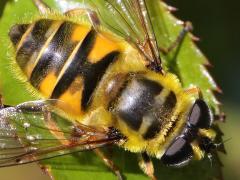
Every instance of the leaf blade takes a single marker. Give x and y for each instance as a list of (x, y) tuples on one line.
[(68, 167)]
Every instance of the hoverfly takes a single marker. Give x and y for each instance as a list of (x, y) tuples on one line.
[(112, 84)]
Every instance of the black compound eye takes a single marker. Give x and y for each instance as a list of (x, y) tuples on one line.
[(200, 115), (179, 153)]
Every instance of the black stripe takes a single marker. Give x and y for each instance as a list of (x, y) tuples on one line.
[(55, 55), (137, 100), (145, 158), (161, 116), (119, 85), (153, 129), (33, 42), (92, 74), (73, 70), (170, 101), (16, 32)]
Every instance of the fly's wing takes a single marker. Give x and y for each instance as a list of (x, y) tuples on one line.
[(130, 19), (32, 131)]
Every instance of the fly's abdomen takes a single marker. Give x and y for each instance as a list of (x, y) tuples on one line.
[(63, 60)]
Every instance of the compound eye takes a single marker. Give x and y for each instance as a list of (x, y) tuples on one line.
[(179, 153), (200, 115)]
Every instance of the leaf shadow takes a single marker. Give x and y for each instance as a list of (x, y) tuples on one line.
[(2, 5), (128, 164), (172, 65)]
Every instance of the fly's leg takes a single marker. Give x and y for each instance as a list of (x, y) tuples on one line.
[(187, 28), (109, 163), (42, 7), (92, 15), (53, 127), (1, 104), (146, 165), (194, 91), (220, 117)]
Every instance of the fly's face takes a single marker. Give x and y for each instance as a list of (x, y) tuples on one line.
[(182, 149)]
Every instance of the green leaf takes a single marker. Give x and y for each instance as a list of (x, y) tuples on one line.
[(186, 61)]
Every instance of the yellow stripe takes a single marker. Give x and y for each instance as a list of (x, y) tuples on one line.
[(146, 123), (101, 48), (79, 33), (162, 96), (47, 85), (72, 97), (34, 60), (28, 31)]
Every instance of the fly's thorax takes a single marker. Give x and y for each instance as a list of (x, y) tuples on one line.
[(147, 108)]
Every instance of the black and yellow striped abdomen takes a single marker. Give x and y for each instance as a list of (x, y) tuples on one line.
[(63, 60)]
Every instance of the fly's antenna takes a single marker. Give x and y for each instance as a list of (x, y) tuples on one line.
[(218, 145)]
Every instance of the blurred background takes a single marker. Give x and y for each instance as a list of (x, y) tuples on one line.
[(217, 23)]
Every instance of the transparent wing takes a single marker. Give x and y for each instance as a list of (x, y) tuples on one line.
[(32, 131), (130, 19)]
